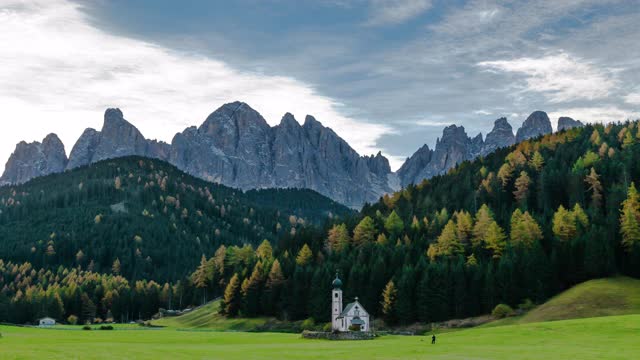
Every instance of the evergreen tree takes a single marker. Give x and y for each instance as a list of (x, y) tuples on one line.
[(495, 239), (484, 218), (304, 256), (232, 299), (447, 244), (364, 232), (629, 219), (522, 188), (394, 224), (593, 180), (201, 278), (389, 298), (524, 229), (338, 239)]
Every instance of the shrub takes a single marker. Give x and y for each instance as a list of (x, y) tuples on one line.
[(86, 327), (72, 319), (526, 305), (308, 324), (502, 311), (106, 327), (354, 328), (327, 327)]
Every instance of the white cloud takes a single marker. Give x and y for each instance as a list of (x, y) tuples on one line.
[(431, 123), (482, 112), (633, 98), (559, 77), (390, 12), (58, 73)]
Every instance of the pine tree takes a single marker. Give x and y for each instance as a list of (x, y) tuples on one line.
[(564, 226), (464, 226), (505, 173), (630, 219), (304, 256), (364, 232), (495, 239), (593, 180), (484, 217), (338, 239), (524, 229), (394, 224), (251, 293), (522, 188), (404, 303), (201, 278), (115, 268), (537, 161), (265, 251), (382, 239), (389, 298), (447, 243), (273, 289), (232, 300)]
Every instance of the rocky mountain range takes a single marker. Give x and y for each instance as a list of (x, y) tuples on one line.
[(235, 146)]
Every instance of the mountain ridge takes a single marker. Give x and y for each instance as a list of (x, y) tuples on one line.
[(235, 146)]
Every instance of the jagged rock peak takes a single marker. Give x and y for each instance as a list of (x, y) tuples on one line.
[(536, 124), (378, 164), (476, 145), (35, 159), (288, 121), (414, 164), (236, 114), (500, 136), (565, 123)]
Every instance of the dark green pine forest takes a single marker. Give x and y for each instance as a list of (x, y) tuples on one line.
[(517, 226), (147, 214)]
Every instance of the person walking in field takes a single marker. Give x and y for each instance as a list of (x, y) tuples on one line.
[(433, 339)]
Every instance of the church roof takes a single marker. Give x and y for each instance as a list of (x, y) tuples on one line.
[(357, 321), (350, 306)]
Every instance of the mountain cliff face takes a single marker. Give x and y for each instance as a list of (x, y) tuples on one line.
[(117, 138), (535, 125), (501, 136), (235, 146), (453, 148), (35, 159), (566, 123)]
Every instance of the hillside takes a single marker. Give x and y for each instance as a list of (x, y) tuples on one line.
[(522, 223), (207, 317), (156, 220), (600, 297)]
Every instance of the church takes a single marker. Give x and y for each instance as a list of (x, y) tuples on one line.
[(353, 318)]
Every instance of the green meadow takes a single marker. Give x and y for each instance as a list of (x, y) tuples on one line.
[(604, 323), (612, 337)]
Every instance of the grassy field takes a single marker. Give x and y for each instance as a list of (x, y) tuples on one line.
[(203, 334), (613, 337), (207, 317)]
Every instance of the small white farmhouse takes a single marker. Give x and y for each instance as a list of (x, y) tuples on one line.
[(46, 322), (353, 318)]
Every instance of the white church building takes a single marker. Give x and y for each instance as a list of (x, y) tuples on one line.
[(353, 318)]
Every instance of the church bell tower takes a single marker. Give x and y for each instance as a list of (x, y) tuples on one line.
[(336, 304)]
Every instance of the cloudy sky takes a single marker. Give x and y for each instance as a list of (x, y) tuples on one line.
[(384, 74)]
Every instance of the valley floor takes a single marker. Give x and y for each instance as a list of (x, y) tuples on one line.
[(613, 337)]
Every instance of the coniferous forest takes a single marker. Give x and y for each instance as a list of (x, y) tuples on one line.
[(519, 225)]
